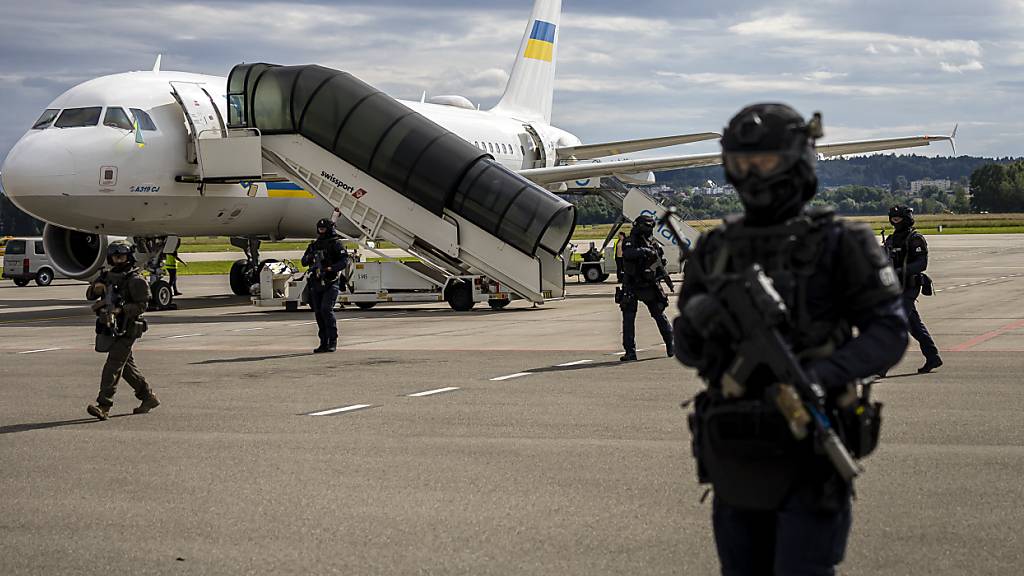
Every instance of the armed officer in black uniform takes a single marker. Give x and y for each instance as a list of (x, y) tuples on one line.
[(327, 260), (643, 263), (122, 295), (780, 506), (908, 252)]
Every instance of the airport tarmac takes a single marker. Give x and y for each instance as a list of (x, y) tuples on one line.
[(487, 442)]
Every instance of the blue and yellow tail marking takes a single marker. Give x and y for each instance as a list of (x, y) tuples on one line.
[(541, 44)]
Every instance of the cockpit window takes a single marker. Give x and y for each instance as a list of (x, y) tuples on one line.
[(145, 122), (78, 117), (117, 118), (46, 118)]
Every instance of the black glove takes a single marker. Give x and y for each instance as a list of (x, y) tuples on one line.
[(706, 315)]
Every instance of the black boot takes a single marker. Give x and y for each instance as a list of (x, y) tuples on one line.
[(321, 348), (148, 404), (670, 349), (99, 411), (628, 357), (929, 365), (332, 345)]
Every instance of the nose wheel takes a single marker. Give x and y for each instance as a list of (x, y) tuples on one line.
[(162, 294)]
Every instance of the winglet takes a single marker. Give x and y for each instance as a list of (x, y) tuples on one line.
[(156, 65), (952, 138)]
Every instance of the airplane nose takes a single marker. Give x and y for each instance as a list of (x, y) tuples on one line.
[(37, 168)]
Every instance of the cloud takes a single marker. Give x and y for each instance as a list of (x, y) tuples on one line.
[(961, 68), (813, 83), (793, 27)]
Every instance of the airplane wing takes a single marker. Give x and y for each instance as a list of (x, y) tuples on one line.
[(841, 148), (586, 170), (590, 151), (570, 172)]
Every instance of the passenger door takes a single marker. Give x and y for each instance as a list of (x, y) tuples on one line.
[(201, 114)]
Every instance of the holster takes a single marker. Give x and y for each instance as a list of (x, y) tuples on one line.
[(926, 285), (618, 295), (860, 426)]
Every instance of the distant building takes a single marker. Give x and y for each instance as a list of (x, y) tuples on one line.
[(916, 185), (714, 190)]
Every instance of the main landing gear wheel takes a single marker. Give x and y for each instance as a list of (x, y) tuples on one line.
[(44, 277), (21, 282), (239, 277), (162, 294), (365, 305)]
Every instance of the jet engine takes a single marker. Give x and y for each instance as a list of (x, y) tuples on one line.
[(78, 255)]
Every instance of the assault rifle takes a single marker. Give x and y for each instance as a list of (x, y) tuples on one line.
[(750, 313), (661, 274), (112, 300)]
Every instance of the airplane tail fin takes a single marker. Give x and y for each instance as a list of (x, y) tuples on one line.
[(531, 86)]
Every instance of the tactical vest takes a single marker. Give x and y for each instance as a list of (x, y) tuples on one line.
[(744, 446)]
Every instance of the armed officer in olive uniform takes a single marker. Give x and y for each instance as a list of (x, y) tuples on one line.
[(327, 260), (643, 264), (122, 295), (908, 252), (780, 506)]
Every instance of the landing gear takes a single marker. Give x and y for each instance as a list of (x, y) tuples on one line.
[(162, 295), (246, 273), (153, 250)]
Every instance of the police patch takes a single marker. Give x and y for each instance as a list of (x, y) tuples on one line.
[(887, 276)]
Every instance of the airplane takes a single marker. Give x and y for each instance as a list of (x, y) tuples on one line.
[(115, 156)]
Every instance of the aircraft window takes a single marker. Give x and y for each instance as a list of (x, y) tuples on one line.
[(523, 150), (145, 122), (39, 248), (46, 119), (78, 117), (490, 148), (117, 118), (504, 148), (16, 247)]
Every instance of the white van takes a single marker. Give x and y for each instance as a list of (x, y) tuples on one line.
[(25, 260)]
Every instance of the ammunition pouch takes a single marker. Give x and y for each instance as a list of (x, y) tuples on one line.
[(860, 426), (104, 341), (136, 328), (745, 449), (618, 295)]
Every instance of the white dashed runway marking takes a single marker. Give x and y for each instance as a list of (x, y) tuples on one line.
[(181, 336), (351, 408), (510, 376), (38, 351), (576, 363), (432, 392)]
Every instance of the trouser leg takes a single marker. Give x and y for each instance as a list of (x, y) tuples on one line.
[(618, 269), (745, 539), (172, 278), (628, 307), (657, 310), (135, 379), (327, 302), (117, 357), (316, 298), (918, 329), (810, 542)]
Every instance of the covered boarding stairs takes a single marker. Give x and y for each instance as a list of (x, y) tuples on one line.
[(402, 178)]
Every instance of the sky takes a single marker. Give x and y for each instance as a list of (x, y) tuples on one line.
[(643, 68)]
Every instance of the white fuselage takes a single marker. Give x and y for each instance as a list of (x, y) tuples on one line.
[(61, 175)]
